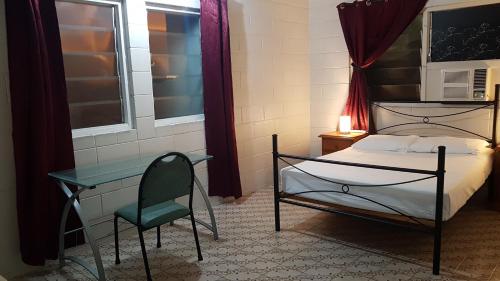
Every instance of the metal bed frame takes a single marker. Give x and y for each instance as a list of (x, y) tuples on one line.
[(415, 224)]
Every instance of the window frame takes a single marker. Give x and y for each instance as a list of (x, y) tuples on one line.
[(180, 10), (122, 71), (427, 27)]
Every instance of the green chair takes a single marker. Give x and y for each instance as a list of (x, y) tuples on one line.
[(168, 177)]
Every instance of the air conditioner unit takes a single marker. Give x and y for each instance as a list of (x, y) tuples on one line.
[(464, 84)]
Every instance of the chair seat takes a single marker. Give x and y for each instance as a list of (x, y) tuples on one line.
[(154, 215)]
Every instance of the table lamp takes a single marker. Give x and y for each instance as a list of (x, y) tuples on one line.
[(345, 124)]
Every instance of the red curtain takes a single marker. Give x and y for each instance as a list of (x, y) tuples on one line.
[(223, 171), (41, 125), (370, 28)]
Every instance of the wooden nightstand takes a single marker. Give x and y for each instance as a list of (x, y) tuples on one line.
[(335, 141)]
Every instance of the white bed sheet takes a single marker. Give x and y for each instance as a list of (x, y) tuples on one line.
[(465, 174)]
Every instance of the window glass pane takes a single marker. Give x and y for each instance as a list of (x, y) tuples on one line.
[(174, 41), (90, 64), (465, 34), (84, 15), (87, 40), (79, 65), (395, 76)]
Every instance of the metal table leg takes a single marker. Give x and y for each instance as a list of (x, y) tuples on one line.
[(99, 272), (213, 226)]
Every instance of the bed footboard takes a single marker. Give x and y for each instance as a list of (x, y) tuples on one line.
[(435, 230)]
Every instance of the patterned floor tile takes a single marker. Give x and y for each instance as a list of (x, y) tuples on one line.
[(311, 246), (322, 271), (243, 275), (261, 265), (283, 272)]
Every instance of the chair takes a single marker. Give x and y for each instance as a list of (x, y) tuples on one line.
[(168, 177)]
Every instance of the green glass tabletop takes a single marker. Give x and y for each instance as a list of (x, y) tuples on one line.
[(93, 175)]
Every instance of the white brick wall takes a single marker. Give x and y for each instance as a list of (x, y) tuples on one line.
[(329, 69), (270, 56)]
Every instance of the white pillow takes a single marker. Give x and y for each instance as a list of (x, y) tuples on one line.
[(385, 143), (453, 145)]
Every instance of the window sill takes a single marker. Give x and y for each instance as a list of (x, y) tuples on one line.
[(179, 120), (103, 130)]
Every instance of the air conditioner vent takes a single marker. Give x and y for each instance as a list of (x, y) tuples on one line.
[(479, 86), (479, 78)]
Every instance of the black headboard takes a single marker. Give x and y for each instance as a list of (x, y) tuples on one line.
[(428, 120)]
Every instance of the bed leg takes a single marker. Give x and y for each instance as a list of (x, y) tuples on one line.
[(438, 220), (276, 184), (436, 260)]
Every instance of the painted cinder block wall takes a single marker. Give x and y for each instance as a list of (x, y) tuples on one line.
[(270, 60), (330, 69)]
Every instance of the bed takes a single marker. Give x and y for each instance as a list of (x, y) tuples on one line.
[(413, 190), (465, 173)]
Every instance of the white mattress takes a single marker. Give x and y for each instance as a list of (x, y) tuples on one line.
[(465, 173)]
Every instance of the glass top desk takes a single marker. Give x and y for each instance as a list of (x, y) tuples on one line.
[(89, 177)]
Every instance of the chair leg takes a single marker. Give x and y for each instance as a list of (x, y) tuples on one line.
[(117, 250), (193, 223), (144, 255), (158, 238)]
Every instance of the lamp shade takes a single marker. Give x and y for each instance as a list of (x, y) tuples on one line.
[(345, 124)]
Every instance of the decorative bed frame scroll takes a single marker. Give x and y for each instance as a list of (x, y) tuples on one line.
[(416, 224)]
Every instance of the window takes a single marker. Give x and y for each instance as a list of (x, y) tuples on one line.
[(395, 76), (175, 44), (455, 39), (93, 62)]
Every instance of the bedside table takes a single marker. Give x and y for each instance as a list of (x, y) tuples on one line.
[(335, 141)]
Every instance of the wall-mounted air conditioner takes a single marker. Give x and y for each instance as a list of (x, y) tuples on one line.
[(464, 84)]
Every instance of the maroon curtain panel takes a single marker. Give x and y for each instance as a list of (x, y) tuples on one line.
[(41, 124), (223, 170), (370, 28)]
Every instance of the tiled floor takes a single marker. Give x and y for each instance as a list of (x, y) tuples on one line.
[(312, 246)]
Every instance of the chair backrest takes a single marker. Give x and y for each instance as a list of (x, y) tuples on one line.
[(168, 177)]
